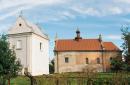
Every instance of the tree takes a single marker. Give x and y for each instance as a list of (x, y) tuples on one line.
[(9, 65), (126, 45), (51, 66), (117, 64)]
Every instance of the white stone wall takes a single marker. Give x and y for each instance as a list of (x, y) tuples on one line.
[(30, 55), (23, 54), (40, 58)]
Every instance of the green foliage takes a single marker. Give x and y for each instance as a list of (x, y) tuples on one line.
[(117, 64), (126, 43), (9, 66), (126, 46), (51, 66)]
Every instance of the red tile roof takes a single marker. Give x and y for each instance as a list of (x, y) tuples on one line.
[(110, 46), (83, 45)]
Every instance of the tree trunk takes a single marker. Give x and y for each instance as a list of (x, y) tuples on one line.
[(8, 81), (31, 79), (4, 82)]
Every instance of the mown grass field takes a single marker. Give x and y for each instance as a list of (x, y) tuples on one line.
[(20, 80), (76, 79)]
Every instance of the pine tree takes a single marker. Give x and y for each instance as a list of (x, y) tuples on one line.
[(9, 65)]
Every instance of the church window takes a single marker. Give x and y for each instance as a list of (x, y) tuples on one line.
[(40, 46), (87, 61), (98, 60), (20, 24), (110, 59), (66, 59), (19, 44)]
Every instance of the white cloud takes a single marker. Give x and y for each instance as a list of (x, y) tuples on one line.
[(5, 4), (68, 14), (113, 37), (86, 8), (15, 12), (114, 10), (103, 11), (123, 1), (23, 5), (86, 11)]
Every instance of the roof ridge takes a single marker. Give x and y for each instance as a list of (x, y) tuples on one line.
[(108, 42), (81, 39)]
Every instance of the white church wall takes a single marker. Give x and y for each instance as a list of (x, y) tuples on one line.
[(24, 53), (40, 57), (26, 38)]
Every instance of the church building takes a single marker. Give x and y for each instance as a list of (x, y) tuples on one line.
[(31, 46), (74, 55)]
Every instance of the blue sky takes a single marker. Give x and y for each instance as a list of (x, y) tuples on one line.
[(92, 17)]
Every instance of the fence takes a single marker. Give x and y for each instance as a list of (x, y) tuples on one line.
[(118, 79)]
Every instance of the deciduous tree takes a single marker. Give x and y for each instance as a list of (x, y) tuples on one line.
[(126, 45)]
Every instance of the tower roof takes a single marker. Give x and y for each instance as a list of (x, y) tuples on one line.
[(23, 26), (77, 31), (78, 35)]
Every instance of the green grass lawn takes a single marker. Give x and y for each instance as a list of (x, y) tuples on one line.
[(22, 80)]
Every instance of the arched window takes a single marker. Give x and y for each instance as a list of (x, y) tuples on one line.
[(98, 60), (87, 61), (110, 59), (40, 46)]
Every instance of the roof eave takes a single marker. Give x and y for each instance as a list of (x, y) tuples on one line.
[(87, 51)]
